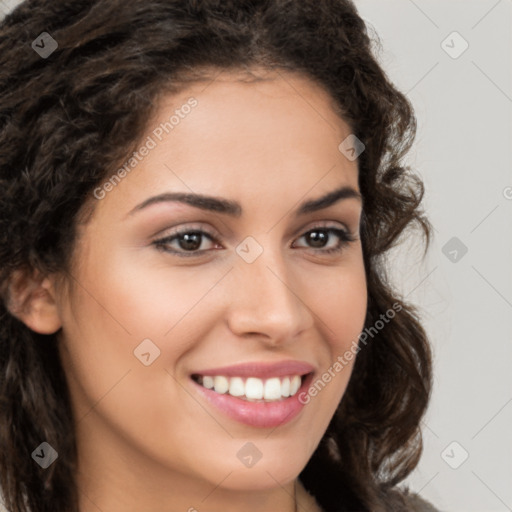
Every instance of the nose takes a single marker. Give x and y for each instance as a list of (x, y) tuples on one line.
[(266, 301)]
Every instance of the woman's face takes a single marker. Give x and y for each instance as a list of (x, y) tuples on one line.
[(252, 300)]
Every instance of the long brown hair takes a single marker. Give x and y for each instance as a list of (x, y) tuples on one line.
[(67, 121)]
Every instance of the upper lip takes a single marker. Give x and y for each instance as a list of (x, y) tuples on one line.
[(260, 369)]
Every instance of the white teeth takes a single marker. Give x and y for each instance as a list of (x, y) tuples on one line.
[(285, 387), (220, 384), (253, 388), (208, 382), (294, 385), (272, 389), (236, 387)]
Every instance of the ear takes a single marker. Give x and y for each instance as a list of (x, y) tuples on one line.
[(32, 299)]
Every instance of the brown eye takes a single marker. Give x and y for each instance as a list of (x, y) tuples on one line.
[(184, 243), (319, 237), (190, 241)]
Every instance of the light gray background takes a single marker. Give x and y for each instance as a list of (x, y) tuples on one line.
[(463, 153)]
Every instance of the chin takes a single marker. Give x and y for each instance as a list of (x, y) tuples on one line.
[(274, 468), (265, 478)]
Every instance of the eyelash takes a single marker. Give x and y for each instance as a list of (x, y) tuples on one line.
[(162, 243)]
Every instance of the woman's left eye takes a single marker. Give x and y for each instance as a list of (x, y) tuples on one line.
[(187, 242), (320, 235)]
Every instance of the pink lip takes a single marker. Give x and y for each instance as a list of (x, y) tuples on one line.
[(260, 370), (257, 414)]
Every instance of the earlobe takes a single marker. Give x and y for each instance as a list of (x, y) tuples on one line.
[(32, 299)]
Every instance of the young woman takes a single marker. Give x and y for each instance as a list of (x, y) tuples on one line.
[(196, 199)]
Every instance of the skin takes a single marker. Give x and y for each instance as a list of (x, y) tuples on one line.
[(146, 439)]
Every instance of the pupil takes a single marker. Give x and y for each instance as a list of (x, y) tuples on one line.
[(190, 241), (318, 238)]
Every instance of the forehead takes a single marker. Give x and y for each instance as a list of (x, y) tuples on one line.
[(240, 136)]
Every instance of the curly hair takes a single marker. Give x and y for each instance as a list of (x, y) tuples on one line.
[(68, 120)]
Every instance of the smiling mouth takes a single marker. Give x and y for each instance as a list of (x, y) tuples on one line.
[(252, 389)]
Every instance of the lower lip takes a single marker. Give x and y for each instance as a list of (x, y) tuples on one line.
[(257, 414)]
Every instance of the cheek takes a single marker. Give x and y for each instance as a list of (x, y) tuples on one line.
[(102, 327), (154, 297), (119, 304), (340, 300), (95, 349), (345, 312), (106, 327)]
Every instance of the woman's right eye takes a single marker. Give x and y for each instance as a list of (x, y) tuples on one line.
[(186, 242)]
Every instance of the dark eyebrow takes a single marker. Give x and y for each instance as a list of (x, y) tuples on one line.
[(329, 199), (232, 208)]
